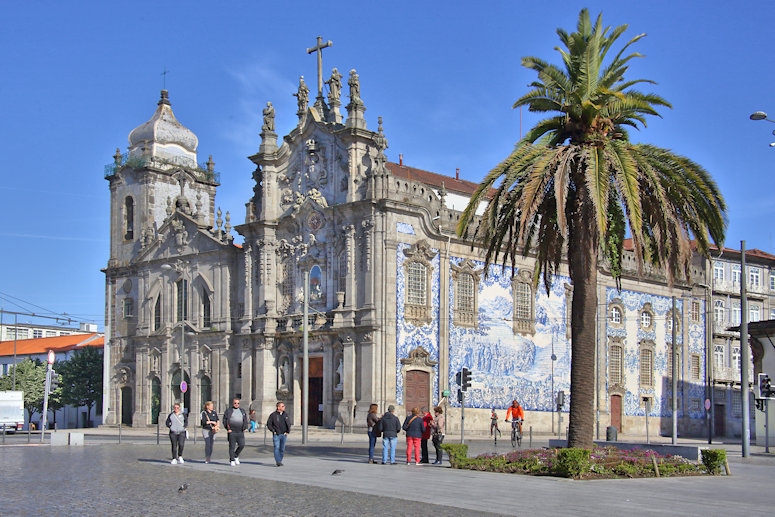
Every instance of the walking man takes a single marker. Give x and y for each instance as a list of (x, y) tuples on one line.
[(235, 420), (391, 426), (280, 425)]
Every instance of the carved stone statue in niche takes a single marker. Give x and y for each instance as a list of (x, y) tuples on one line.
[(285, 373), (339, 378)]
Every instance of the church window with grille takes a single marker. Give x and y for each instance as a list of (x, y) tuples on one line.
[(417, 284), (287, 284), (647, 367), (615, 364)]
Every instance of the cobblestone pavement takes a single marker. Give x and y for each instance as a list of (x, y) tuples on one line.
[(136, 478), (132, 479)]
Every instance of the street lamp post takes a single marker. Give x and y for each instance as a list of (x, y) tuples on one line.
[(708, 362), (745, 355), (305, 364), (182, 350), (761, 115)]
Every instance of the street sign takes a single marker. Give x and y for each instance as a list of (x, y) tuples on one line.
[(183, 387), (51, 357)]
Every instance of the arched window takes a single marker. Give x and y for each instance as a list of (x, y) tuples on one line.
[(182, 295), (616, 315), (206, 389), (206, 312), (129, 218), (157, 313), (524, 302), (645, 320)]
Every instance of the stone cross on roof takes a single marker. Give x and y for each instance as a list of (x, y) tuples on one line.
[(319, 49)]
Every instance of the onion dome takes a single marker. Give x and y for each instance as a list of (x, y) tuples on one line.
[(163, 137)]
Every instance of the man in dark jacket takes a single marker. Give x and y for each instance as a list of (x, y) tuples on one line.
[(280, 425), (391, 426), (235, 421)]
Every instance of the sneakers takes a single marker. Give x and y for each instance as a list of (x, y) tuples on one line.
[(174, 461), (236, 460), (233, 463), (180, 460), (280, 464), (416, 463), (408, 463)]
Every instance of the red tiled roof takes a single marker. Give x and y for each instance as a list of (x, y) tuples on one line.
[(57, 344), (433, 179)]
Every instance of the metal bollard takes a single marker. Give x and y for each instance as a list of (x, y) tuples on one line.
[(264, 435), (530, 437), (157, 431)]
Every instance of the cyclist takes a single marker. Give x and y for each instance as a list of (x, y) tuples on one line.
[(516, 414), (494, 422)]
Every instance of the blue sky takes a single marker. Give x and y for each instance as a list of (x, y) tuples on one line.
[(77, 77)]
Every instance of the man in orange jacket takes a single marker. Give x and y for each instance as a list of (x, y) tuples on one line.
[(516, 414)]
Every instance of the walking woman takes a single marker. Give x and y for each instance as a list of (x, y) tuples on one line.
[(437, 430), (210, 426), (414, 428), (371, 422), (177, 422)]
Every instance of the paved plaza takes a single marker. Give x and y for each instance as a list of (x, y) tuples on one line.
[(135, 478)]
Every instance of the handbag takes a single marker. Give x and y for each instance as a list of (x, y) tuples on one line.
[(214, 428)]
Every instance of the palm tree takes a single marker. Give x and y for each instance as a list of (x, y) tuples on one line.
[(575, 185)]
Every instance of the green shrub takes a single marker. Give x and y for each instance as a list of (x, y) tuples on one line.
[(713, 459), (458, 454), (572, 463)]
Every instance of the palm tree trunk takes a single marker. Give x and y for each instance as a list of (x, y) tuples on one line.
[(582, 258)]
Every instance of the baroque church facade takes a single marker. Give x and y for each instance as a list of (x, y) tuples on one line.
[(397, 304)]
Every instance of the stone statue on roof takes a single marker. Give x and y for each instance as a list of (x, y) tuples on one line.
[(302, 95)]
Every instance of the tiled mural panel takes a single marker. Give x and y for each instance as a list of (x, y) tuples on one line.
[(506, 365), (631, 336)]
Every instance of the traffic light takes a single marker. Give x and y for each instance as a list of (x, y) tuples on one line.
[(54, 384), (466, 379), (560, 400), (457, 378), (765, 387)]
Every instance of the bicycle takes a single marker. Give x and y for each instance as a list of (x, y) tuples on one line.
[(516, 433)]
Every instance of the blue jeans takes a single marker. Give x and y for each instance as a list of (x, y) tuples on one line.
[(279, 447), (389, 446), (372, 443)]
